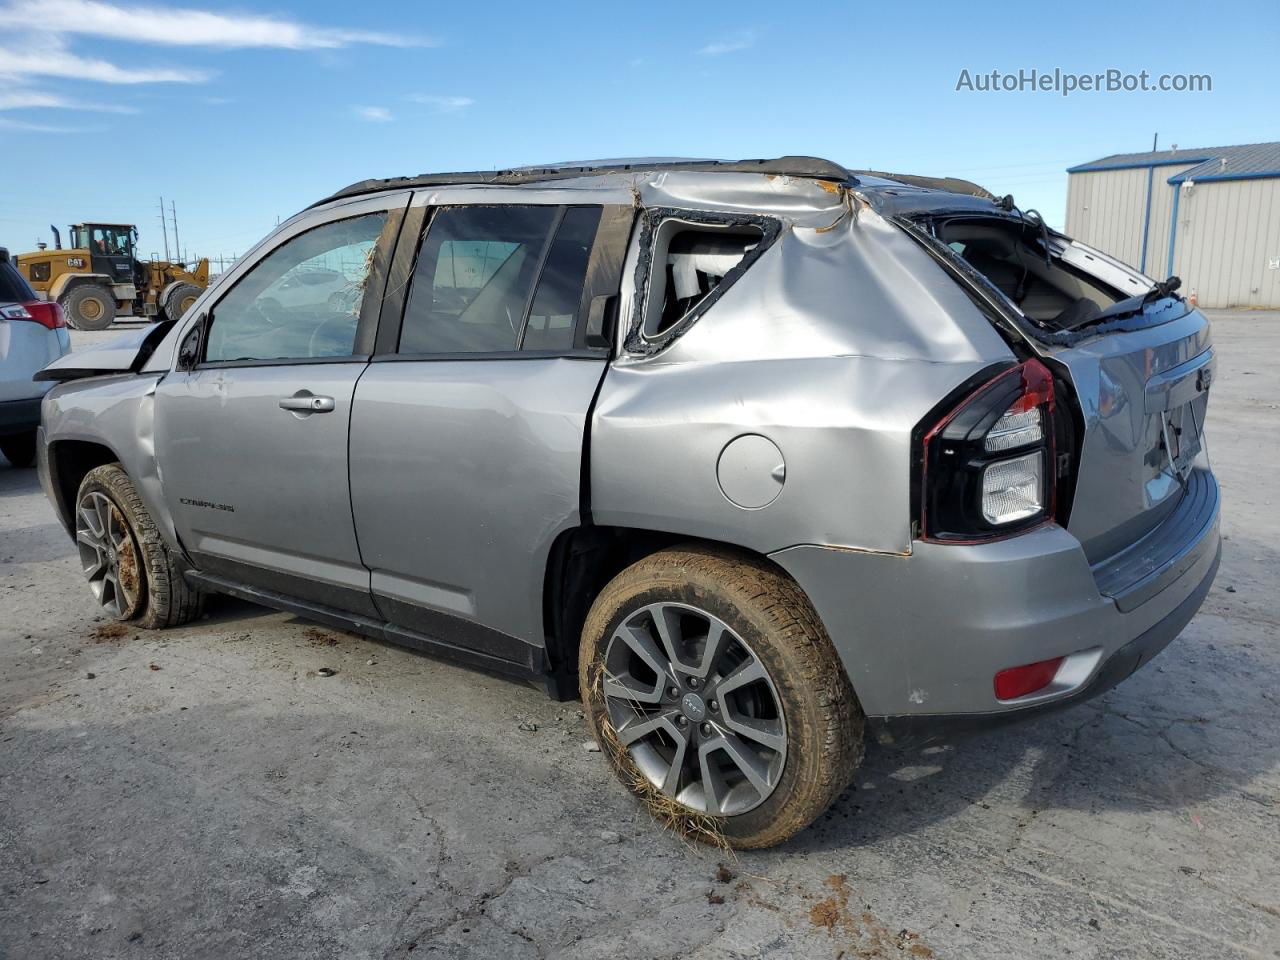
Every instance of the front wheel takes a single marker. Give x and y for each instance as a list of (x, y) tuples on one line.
[(717, 696), (180, 300), (89, 306), (19, 448), (131, 571)]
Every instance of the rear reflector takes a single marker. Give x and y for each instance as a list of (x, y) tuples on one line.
[(1019, 681)]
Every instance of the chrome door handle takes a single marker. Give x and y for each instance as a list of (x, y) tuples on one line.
[(308, 404)]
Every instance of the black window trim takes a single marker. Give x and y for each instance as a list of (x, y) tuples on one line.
[(370, 306), (596, 283)]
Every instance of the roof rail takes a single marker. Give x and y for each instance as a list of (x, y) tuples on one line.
[(945, 184), (813, 167)]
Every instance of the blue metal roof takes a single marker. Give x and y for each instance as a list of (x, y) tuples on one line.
[(1242, 162)]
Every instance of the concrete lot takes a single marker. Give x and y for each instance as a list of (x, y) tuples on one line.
[(204, 793)]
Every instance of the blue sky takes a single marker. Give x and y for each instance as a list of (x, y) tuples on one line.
[(247, 113)]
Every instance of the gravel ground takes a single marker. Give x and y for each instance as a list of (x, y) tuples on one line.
[(204, 792)]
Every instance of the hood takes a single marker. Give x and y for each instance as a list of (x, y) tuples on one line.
[(124, 354)]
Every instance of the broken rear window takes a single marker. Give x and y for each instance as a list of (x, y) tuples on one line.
[(687, 260), (694, 260)]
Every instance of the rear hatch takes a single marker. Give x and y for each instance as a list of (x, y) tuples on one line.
[(23, 346), (1140, 361)]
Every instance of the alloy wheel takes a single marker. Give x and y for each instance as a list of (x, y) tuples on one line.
[(695, 709), (108, 555)]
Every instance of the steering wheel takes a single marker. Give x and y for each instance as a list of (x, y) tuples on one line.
[(259, 311), (311, 343)]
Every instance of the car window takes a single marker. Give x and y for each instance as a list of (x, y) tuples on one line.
[(13, 287), (474, 275), (556, 302), (302, 300)]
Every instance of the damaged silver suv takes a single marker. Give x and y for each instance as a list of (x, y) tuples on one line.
[(757, 458)]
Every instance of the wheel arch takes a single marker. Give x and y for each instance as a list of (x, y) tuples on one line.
[(69, 461), (69, 281), (581, 561)]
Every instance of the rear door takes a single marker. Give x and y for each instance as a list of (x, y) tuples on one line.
[(467, 430), (252, 442)]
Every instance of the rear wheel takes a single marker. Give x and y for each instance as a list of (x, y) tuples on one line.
[(180, 300), (89, 306), (719, 699), (20, 448), (130, 570)]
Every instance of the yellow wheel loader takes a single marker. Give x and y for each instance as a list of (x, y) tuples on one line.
[(99, 278)]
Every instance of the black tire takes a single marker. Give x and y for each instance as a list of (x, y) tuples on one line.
[(180, 299), (165, 598), (769, 611), (19, 448), (89, 306)]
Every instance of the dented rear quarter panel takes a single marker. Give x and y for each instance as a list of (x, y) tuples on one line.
[(833, 345)]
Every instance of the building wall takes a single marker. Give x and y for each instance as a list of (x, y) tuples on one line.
[(1228, 236), (1228, 231), (1105, 210), (1157, 266)]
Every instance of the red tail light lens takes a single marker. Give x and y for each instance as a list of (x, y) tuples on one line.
[(47, 314), (1019, 681), (44, 313), (987, 468)]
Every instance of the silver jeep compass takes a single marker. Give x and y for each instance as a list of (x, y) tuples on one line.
[(758, 458)]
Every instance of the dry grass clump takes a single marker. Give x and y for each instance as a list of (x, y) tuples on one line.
[(681, 820)]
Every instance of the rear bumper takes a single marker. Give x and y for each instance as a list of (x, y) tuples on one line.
[(19, 416), (923, 636), (921, 728)]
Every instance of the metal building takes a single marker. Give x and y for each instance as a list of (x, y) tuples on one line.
[(1211, 216)]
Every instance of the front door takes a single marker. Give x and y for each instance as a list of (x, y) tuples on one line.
[(252, 442), (467, 431), (111, 252)]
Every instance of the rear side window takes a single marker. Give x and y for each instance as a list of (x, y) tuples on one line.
[(13, 288), (556, 303), (690, 262), (499, 279)]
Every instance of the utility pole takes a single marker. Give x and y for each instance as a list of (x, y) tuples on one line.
[(164, 229), (177, 246)]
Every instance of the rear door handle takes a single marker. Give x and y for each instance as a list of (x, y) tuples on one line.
[(306, 403)]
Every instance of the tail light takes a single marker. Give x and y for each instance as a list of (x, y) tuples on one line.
[(45, 313), (987, 467)]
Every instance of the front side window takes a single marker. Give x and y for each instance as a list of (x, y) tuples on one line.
[(302, 300)]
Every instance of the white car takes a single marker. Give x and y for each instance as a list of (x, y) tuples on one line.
[(32, 334)]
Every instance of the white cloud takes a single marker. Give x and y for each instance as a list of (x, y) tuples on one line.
[(374, 114), (742, 40), (187, 27), (40, 99), (49, 57), (442, 104), (7, 124)]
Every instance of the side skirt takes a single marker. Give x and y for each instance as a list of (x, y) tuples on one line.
[(531, 669)]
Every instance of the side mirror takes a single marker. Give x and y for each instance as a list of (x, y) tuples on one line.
[(190, 349)]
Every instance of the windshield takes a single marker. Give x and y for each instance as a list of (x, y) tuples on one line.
[(104, 241)]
